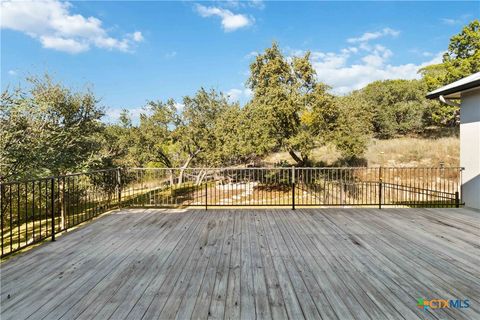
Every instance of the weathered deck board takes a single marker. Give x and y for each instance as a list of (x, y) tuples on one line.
[(349, 263)]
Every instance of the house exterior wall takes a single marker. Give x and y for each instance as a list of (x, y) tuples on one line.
[(470, 147)]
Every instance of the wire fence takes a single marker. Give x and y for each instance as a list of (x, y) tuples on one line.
[(34, 210)]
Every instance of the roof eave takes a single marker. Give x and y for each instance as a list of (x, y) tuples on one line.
[(453, 93)]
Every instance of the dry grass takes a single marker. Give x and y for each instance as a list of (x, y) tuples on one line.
[(400, 152), (414, 152)]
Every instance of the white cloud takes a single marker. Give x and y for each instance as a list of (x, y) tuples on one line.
[(179, 106), (230, 20), (450, 21), (334, 69), (257, 4), (454, 22), (350, 50), (62, 44), (421, 53), (170, 55), (354, 67), (373, 60), (234, 94), (12, 72), (463, 19), (237, 95), (137, 36), (251, 54), (112, 115), (367, 36), (52, 23)]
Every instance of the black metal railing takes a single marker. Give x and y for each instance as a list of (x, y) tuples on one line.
[(34, 210), (210, 187)]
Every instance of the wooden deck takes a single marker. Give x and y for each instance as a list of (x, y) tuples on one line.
[(316, 264)]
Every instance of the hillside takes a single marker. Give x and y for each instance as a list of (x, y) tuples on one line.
[(393, 152)]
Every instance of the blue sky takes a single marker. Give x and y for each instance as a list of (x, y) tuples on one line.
[(131, 52)]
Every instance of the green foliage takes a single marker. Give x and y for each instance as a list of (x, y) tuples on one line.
[(290, 109), (153, 140), (398, 106), (198, 132), (280, 93), (353, 131), (433, 76), (205, 132), (461, 60), (119, 143), (441, 115), (463, 55), (234, 142), (48, 129)]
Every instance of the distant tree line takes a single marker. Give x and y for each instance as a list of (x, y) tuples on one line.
[(48, 129)]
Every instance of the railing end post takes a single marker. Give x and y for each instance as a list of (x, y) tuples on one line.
[(206, 195), (293, 195), (380, 187), (293, 187), (52, 204), (119, 183)]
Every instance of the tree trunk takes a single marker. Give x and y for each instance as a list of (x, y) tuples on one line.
[(200, 177), (185, 166), (305, 160), (171, 177), (297, 159), (182, 170)]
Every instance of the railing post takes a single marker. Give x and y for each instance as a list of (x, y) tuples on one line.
[(341, 192), (380, 188), (293, 187), (460, 188), (63, 205), (2, 196), (206, 196), (380, 194), (119, 186), (457, 199), (52, 195)]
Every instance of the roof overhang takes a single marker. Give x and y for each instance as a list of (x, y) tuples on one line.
[(454, 89)]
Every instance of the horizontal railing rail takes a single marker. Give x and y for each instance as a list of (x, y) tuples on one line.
[(37, 209)]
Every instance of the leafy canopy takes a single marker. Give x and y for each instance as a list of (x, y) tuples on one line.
[(290, 109), (47, 129)]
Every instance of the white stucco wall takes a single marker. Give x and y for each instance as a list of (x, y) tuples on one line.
[(470, 147)]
